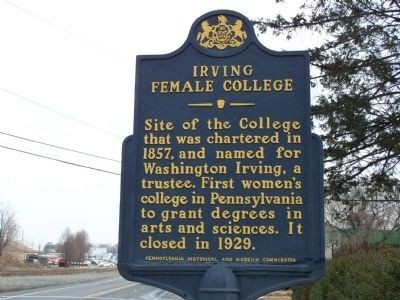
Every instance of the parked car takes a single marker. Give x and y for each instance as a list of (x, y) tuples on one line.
[(32, 258), (87, 263), (105, 264), (95, 262), (62, 262)]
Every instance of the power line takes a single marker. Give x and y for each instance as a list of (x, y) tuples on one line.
[(59, 160), (59, 147), (67, 32), (59, 113)]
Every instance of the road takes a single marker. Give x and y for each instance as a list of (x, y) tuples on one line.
[(115, 288), (112, 288)]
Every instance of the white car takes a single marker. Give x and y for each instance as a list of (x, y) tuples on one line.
[(105, 264)]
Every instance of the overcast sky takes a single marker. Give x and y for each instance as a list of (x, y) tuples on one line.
[(67, 73)]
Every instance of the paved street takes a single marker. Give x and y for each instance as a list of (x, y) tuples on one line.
[(111, 289)]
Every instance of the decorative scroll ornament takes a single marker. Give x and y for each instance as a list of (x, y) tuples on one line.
[(222, 35)]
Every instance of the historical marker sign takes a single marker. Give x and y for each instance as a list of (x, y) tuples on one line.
[(222, 172)]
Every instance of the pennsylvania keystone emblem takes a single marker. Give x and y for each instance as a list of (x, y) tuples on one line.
[(221, 35)]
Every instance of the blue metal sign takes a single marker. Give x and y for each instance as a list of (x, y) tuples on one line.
[(222, 177)]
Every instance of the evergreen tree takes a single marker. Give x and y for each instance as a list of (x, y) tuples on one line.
[(359, 70)]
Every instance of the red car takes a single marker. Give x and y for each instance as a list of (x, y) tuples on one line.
[(62, 262)]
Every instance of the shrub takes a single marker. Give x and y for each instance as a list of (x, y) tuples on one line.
[(365, 275)]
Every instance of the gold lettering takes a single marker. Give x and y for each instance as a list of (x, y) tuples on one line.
[(193, 154), (166, 184), (255, 85), (152, 243), (267, 123), (157, 125), (155, 228), (288, 85), (277, 85), (194, 74), (187, 87), (191, 229), (240, 154), (154, 86), (267, 85), (203, 71), (235, 71), (239, 215), (281, 152), (297, 169), (224, 71), (174, 86), (248, 70), (177, 86), (254, 200), (167, 215), (162, 198), (213, 71), (270, 184), (216, 138), (164, 87), (211, 183)]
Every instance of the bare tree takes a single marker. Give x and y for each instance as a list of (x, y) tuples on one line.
[(8, 227), (74, 247), (82, 245), (65, 244), (365, 217)]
